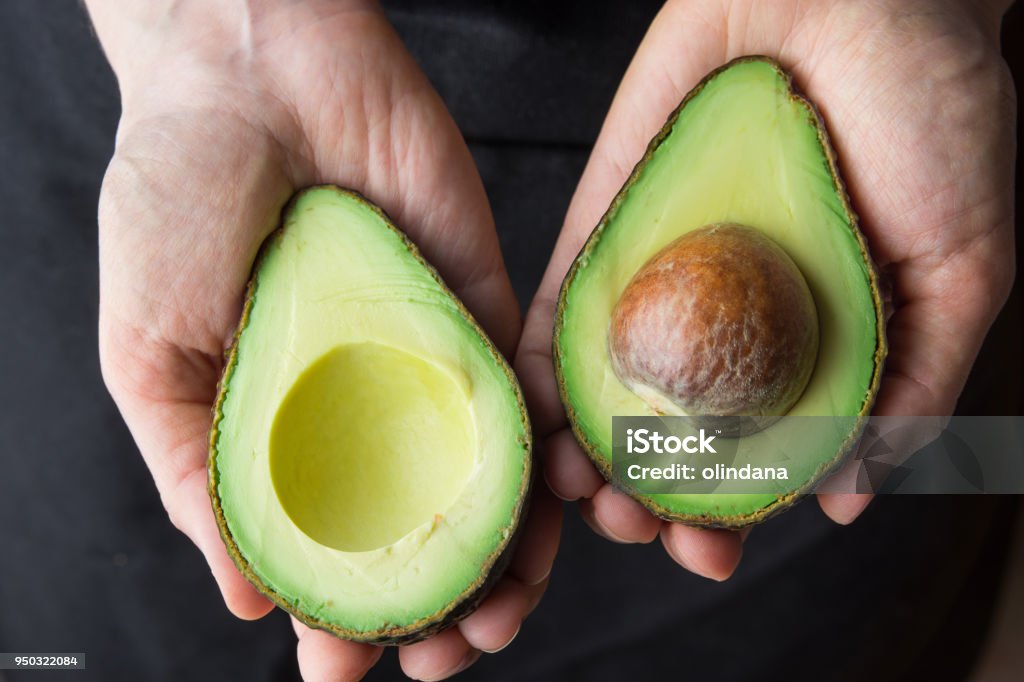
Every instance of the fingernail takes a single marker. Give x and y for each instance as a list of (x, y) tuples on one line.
[(538, 581), (555, 492), (599, 528), (732, 570), (534, 600), (674, 552), (670, 547), (503, 646), (469, 659), (852, 513)]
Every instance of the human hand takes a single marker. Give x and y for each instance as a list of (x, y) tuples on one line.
[(921, 110), (225, 115)]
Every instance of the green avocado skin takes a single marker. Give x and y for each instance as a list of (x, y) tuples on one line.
[(741, 138), (488, 568)]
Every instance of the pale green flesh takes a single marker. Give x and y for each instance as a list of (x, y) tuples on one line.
[(372, 451), (370, 443), (741, 151)]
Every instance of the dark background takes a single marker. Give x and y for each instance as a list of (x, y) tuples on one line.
[(89, 562)]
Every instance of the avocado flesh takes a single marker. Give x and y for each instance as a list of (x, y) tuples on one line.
[(370, 453), (741, 148)]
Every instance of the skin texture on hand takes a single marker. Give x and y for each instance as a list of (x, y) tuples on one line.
[(226, 113), (921, 111)]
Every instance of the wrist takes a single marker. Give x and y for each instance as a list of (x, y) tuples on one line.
[(144, 38)]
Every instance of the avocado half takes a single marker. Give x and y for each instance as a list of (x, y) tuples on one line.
[(370, 455), (742, 148)]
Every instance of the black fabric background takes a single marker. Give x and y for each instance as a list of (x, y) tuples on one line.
[(89, 562)]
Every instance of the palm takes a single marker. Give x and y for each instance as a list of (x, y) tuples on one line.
[(922, 137), (920, 111), (325, 96)]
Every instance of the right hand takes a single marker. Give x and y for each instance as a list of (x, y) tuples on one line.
[(921, 110)]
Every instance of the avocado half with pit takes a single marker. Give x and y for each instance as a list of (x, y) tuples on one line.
[(370, 452), (728, 278)]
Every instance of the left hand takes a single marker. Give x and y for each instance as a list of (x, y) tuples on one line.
[(225, 114)]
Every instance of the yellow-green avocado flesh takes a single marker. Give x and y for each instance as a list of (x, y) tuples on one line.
[(370, 452), (741, 148)]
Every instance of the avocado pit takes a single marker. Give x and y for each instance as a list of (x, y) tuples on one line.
[(720, 322)]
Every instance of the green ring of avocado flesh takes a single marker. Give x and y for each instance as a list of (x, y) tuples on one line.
[(597, 276), (501, 538)]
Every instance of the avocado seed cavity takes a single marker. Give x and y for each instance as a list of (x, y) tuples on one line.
[(719, 322)]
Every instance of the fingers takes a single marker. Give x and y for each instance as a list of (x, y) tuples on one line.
[(836, 496), (568, 472), (933, 343), (844, 508), (535, 368), (613, 515), (618, 517), (439, 657), (325, 658), (710, 553), (491, 628), (539, 542), (495, 624), (192, 513)]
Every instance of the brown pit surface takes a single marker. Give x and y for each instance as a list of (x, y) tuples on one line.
[(719, 322)]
